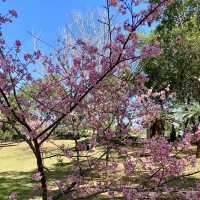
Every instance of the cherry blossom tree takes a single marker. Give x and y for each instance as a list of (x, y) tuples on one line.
[(91, 87)]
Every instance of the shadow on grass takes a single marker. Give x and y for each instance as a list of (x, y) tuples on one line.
[(21, 182), (184, 182), (7, 145), (16, 182)]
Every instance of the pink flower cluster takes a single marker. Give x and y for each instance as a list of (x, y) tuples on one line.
[(37, 176), (151, 50), (13, 196), (163, 161), (129, 166)]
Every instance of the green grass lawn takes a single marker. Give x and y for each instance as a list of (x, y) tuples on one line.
[(17, 164)]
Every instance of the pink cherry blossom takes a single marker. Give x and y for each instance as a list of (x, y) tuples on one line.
[(13, 13), (113, 2), (37, 176), (13, 196), (86, 90), (129, 166), (18, 43), (68, 153)]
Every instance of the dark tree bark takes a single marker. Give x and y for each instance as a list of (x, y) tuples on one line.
[(157, 128), (40, 167), (198, 150), (173, 134)]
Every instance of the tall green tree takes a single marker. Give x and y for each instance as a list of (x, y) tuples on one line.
[(178, 66)]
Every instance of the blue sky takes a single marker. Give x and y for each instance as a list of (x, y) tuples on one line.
[(44, 17)]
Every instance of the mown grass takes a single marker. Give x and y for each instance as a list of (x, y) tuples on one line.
[(17, 164)]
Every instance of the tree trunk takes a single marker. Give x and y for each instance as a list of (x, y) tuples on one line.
[(148, 133), (157, 128), (198, 150), (173, 134), (195, 124), (40, 167), (78, 158), (107, 155)]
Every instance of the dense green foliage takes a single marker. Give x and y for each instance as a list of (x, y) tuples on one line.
[(178, 66)]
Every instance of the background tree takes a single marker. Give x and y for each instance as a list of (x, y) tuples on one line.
[(178, 66)]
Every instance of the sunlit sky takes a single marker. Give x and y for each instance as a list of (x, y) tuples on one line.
[(44, 18)]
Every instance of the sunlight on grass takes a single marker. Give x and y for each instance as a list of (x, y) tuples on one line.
[(19, 157), (17, 166)]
